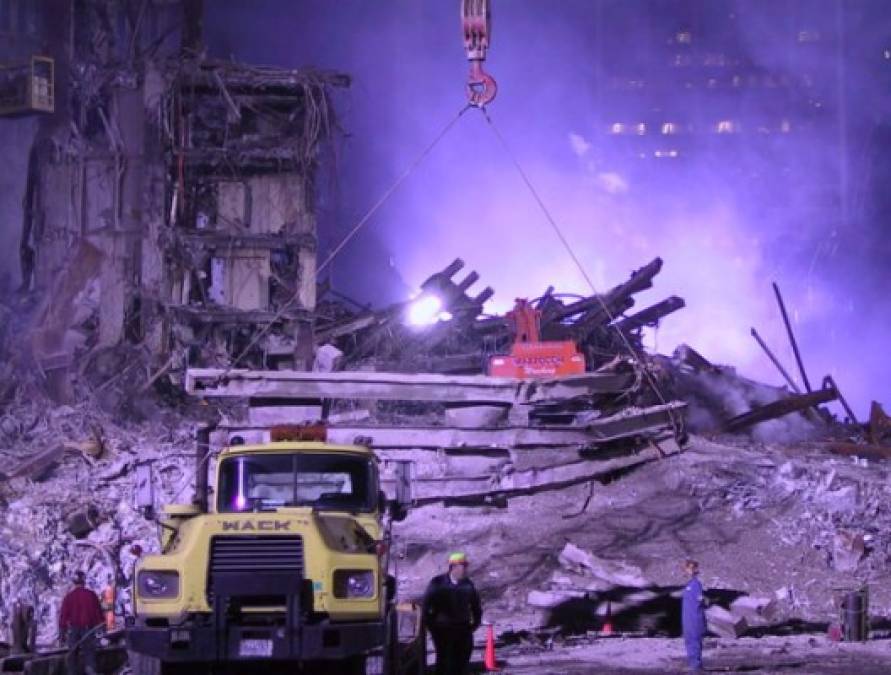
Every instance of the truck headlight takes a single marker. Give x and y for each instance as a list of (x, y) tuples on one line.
[(157, 584), (353, 583)]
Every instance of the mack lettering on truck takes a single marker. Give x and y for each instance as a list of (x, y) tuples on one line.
[(258, 525), (265, 482)]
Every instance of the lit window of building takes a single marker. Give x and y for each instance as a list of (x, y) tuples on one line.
[(641, 129), (727, 127), (669, 128), (785, 126), (617, 128), (808, 36), (683, 37), (663, 154)]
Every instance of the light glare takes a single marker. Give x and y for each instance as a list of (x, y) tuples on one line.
[(424, 311)]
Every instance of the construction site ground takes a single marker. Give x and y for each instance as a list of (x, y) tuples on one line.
[(805, 654), (757, 517)]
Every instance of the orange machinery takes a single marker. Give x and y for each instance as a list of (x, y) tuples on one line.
[(529, 356)]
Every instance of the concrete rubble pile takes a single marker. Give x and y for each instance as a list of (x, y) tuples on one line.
[(473, 440), (66, 490), (590, 593), (841, 505), (463, 344), (607, 334)]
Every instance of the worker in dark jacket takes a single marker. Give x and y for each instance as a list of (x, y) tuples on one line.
[(693, 616), (452, 613), (80, 615)]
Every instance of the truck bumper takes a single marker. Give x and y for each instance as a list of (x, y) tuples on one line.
[(312, 642)]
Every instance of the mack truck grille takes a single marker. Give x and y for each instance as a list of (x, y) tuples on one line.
[(253, 555)]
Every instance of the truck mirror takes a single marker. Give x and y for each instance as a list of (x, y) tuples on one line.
[(144, 490)]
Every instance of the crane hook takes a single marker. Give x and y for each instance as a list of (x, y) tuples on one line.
[(476, 23)]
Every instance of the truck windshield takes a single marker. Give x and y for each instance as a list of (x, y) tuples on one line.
[(263, 482)]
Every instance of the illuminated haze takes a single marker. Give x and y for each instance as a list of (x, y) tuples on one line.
[(727, 216)]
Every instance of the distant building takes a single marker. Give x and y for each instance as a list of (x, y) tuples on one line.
[(748, 92)]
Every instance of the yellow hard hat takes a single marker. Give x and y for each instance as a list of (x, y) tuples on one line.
[(457, 558)]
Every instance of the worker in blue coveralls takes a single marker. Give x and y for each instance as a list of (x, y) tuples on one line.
[(693, 616)]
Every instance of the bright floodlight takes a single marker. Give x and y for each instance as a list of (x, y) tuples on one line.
[(424, 311)]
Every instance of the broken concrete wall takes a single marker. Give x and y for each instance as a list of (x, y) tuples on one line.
[(15, 139), (193, 179)]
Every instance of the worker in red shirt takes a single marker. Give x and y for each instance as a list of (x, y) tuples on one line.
[(79, 618)]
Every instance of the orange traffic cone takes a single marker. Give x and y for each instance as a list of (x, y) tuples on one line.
[(489, 660), (608, 621)]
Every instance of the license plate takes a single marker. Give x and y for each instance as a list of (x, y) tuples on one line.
[(255, 648)]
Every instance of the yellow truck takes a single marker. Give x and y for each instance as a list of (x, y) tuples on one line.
[(283, 569)]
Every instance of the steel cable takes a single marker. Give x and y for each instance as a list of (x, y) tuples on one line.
[(638, 360)]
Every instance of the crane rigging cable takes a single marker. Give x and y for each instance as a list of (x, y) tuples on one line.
[(638, 360), (476, 20)]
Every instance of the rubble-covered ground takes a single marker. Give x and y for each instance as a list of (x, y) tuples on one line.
[(764, 520), (813, 655), (75, 509), (771, 522)]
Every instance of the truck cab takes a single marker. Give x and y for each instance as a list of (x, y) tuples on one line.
[(286, 565)]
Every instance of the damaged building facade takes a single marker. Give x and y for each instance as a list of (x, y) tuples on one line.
[(169, 198)]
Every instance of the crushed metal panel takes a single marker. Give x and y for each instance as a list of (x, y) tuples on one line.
[(249, 280), (241, 280), (278, 205)]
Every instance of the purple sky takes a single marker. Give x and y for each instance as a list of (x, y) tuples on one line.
[(722, 246)]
